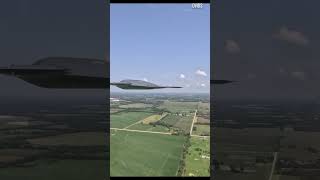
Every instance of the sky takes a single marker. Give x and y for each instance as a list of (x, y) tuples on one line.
[(271, 48), (34, 29), (166, 44)]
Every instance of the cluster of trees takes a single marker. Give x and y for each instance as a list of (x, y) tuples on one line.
[(182, 165)]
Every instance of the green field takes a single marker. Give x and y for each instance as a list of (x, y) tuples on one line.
[(58, 169), (181, 122), (115, 110), (202, 130), (147, 127), (174, 106), (197, 159), (135, 105), (125, 118), (144, 154)]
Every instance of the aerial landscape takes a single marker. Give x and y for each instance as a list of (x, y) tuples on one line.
[(160, 90), (160, 134)]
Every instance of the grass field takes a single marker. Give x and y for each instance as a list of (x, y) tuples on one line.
[(202, 130), (114, 110), (174, 106), (181, 122), (147, 127), (197, 159), (62, 170), (154, 118), (144, 154), (73, 139), (124, 119), (204, 108), (203, 120)]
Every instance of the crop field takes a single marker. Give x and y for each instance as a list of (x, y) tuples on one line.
[(58, 169), (124, 119), (135, 105), (142, 154), (72, 139), (204, 108), (147, 127), (174, 106), (181, 122), (154, 118), (203, 120), (114, 110), (203, 130), (198, 157)]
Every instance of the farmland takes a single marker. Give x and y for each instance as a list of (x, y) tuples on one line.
[(175, 106), (203, 130), (152, 141), (198, 157), (180, 122), (157, 155), (124, 119)]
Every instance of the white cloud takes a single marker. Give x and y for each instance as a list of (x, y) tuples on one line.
[(203, 85), (201, 73), (232, 46), (182, 76), (292, 36)]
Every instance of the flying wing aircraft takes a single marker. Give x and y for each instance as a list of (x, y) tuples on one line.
[(138, 84), (76, 73), (62, 72)]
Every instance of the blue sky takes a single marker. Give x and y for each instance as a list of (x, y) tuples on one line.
[(166, 44)]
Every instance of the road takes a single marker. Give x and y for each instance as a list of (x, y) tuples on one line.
[(273, 165), (200, 136), (131, 130), (194, 119)]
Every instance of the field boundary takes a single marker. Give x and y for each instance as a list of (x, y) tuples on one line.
[(132, 130)]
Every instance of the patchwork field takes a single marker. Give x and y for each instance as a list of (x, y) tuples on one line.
[(136, 105), (114, 110), (141, 154), (147, 127), (174, 106), (151, 140), (204, 108), (203, 120), (198, 157), (154, 118), (181, 122), (201, 130), (124, 119)]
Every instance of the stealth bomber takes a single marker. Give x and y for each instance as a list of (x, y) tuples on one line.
[(76, 73)]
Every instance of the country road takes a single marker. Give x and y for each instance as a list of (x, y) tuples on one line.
[(273, 165), (194, 119), (131, 130)]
